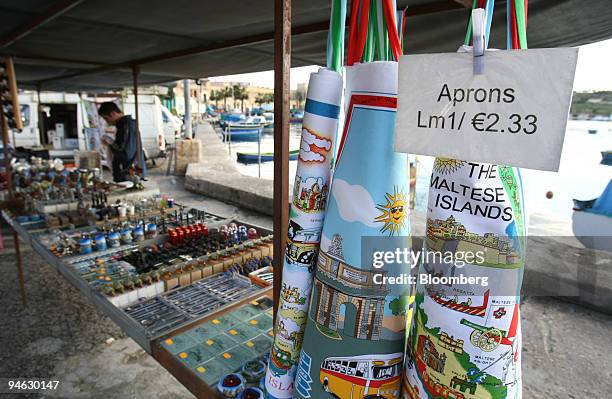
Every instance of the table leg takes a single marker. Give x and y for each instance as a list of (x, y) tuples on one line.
[(22, 288)]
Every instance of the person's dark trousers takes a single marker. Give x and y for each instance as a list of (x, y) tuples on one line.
[(120, 168)]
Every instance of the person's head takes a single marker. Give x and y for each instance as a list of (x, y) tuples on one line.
[(110, 112)]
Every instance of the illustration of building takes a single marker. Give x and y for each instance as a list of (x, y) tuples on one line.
[(291, 294), (451, 235), (335, 248), (438, 390), (429, 354), (313, 198), (346, 298), (453, 345), (463, 385), (448, 229)]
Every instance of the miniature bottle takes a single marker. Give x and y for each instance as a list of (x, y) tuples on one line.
[(85, 245), (114, 239)]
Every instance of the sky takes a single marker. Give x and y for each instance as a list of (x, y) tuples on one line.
[(266, 78), (594, 70)]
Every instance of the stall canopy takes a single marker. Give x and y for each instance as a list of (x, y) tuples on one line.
[(91, 45)]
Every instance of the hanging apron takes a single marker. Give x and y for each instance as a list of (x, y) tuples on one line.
[(465, 339), (355, 331)]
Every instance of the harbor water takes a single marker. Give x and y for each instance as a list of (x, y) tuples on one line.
[(580, 176)]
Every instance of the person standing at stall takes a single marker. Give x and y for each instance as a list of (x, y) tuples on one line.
[(125, 145)]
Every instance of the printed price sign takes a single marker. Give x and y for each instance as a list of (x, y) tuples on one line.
[(515, 113)]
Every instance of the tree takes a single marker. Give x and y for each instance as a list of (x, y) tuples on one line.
[(214, 96), (399, 305), (264, 98), (240, 93), (244, 96), (226, 93), (299, 97)]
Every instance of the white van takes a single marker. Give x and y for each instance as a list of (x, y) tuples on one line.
[(60, 127), (64, 118), (173, 125)]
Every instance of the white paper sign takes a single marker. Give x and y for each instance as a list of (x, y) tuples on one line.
[(515, 113)]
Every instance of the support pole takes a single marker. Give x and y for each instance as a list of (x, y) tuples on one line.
[(7, 155), (135, 72), (187, 97), (198, 99), (9, 182), (282, 65), (41, 134), (24, 299)]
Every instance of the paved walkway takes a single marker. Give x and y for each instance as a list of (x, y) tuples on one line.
[(216, 176)]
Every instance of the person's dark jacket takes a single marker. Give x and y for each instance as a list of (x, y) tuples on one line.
[(125, 145)]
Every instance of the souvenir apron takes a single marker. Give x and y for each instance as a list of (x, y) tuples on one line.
[(465, 340), (310, 197), (354, 341)]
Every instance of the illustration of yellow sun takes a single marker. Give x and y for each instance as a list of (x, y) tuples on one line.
[(393, 213), (447, 165)]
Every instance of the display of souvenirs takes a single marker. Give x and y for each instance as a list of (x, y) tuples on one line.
[(235, 343), (50, 181), (140, 258)]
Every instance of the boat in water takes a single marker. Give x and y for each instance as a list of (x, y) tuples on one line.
[(252, 157), (242, 132), (226, 118), (592, 219), (249, 129), (296, 116), (265, 120), (269, 126)]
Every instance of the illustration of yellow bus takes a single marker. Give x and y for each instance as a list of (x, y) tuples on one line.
[(362, 377)]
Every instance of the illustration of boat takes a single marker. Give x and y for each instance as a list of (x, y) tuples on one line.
[(280, 361), (462, 307)]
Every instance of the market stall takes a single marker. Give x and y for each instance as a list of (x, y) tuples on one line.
[(187, 286), (197, 291)]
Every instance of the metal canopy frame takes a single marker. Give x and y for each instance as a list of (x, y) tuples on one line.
[(62, 6), (553, 23), (55, 10)]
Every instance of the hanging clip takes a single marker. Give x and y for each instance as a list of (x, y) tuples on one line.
[(478, 39)]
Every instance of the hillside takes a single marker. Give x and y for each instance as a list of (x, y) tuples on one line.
[(593, 104)]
